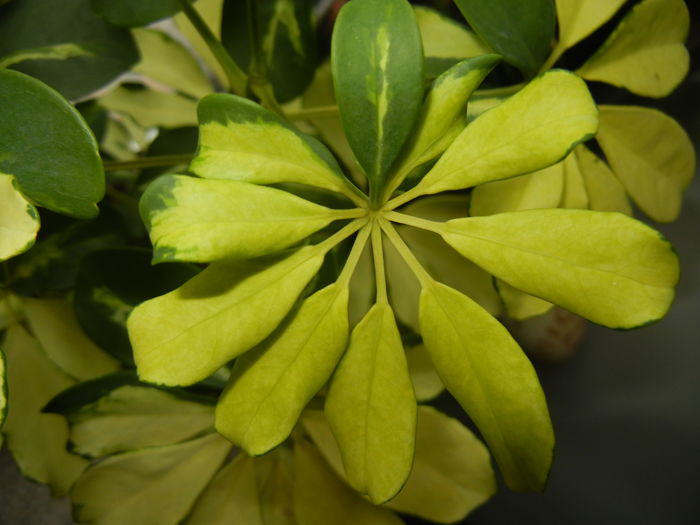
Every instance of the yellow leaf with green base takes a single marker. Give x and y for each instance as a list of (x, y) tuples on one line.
[(19, 220)]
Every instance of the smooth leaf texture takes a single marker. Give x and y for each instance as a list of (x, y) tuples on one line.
[(371, 407), (271, 385), (19, 220), (645, 54), (231, 497), (377, 63), (531, 130), (451, 474), (603, 266), (184, 336), (154, 485), (489, 375), (340, 505), (520, 31), (46, 145), (578, 19), (574, 194), (242, 141), (426, 382), (276, 493), (133, 13), (37, 441), (651, 155), (604, 190), (204, 220), (149, 108), (519, 305)]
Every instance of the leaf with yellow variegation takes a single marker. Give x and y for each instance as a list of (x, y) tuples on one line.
[(19, 220)]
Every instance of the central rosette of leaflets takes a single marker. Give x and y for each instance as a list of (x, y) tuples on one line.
[(283, 230)]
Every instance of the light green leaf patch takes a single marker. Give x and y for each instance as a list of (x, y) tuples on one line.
[(371, 407), (604, 190), (426, 382), (487, 372), (186, 335), (203, 220), (271, 385), (579, 19), (651, 155), (645, 54), (55, 52), (149, 108), (19, 220), (154, 485), (574, 194), (531, 130), (603, 266), (519, 305)]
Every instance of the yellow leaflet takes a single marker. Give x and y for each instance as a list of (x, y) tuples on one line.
[(579, 18), (605, 192), (444, 38), (574, 194)]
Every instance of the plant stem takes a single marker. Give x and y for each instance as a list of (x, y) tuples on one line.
[(421, 274), (147, 162), (414, 221), (354, 256), (342, 234), (349, 213), (399, 200), (379, 268), (236, 77)]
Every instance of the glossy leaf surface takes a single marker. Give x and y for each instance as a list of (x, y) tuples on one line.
[(19, 220), (490, 376)]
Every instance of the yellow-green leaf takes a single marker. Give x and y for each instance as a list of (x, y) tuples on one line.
[(574, 193), (451, 474), (487, 372), (203, 220), (184, 336), (231, 497), (531, 130), (519, 305), (645, 54), (651, 155), (154, 485), (150, 108), (603, 266), (54, 324), (605, 192), (276, 470), (270, 386), (3, 390), (19, 220), (321, 497), (371, 407), (541, 189), (37, 441), (579, 18), (425, 379)]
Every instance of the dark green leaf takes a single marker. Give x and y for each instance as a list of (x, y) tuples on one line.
[(520, 31), (134, 13)]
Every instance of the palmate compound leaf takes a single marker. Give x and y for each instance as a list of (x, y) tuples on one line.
[(517, 136), (490, 376), (603, 266), (371, 407), (153, 485), (579, 19), (203, 220), (645, 54), (271, 385), (19, 220)]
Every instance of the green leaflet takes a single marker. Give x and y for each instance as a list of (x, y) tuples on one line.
[(3, 390), (184, 336), (516, 137), (519, 305), (204, 220), (276, 492), (341, 505), (574, 193), (651, 155), (149, 108), (271, 385), (231, 497), (579, 19), (37, 441), (426, 382), (242, 141), (61, 171), (153, 485), (645, 54), (55, 52), (520, 31), (604, 190), (487, 372), (371, 407), (377, 64), (603, 266), (19, 220), (133, 13)]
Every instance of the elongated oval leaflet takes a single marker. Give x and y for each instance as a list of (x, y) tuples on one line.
[(184, 336), (377, 63), (579, 19), (271, 385), (490, 376), (19, 220), (533, 129), (61, 170), (204, 220), (604, 266)]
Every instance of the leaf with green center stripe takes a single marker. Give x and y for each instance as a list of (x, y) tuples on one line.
[(47, 146), (203, 220), (371, 407), (19, 220), (490, 376), (240, 140), (377, 63), (520, 31), (271, 385), (186, 335), (517, 136), (603, 266)]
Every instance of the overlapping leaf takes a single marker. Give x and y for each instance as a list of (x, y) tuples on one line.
[(579, 19), (19, 220)]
